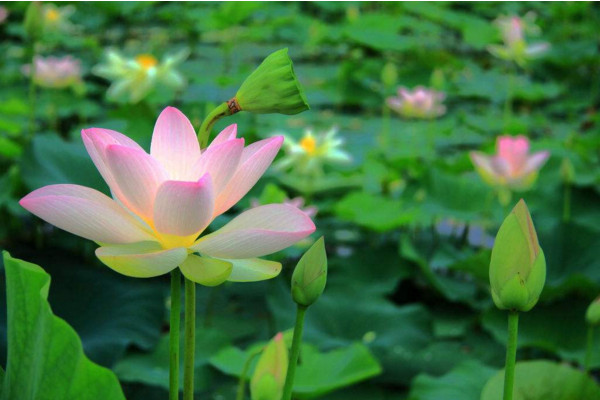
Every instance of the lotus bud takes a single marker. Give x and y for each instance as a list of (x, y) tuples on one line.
[(34, 21), (271, 88), (518, 266), (310, 275), (269, 375), (438, 80), (567, 171), (592, 315), (389, 75)]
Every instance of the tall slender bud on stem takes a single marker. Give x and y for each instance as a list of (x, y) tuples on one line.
[(518, 266)]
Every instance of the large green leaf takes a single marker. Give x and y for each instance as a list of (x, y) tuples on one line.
[(51, 160), (152, 368), (401, 337), (464, 382), (571, 251), (374, 211), (344, 367), (450, 271), (318, 373), (544, 380), (109, 311), (538, 328), (45, 356)]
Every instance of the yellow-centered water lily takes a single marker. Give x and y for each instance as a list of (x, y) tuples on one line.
[(134, 78), (308, 155)]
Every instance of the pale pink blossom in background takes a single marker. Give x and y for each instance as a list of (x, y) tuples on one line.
[(55, 72), (511, 29), (3, 14), (512, 165), (420, 103), (515, 47), (163, 201)]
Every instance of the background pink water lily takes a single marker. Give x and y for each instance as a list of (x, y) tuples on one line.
[(55, 72), (164, 200), (420, 103), (512, 165)]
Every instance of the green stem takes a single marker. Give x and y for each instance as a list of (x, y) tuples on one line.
[(431, 132), (590, 349), (32, 97), (53, 115), (385, 126), (174, 334), (511, 354), (241, 390), (190, 337), (289, 378), (508, 101), (210, 306), (219, 112), (567, 203)]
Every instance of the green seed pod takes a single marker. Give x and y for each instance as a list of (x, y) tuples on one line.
[(518, 266), (310, 275), (271, 88), (389, 74), (269, 375), (438, 81), (592, 315), (567, 171), (34, 21)]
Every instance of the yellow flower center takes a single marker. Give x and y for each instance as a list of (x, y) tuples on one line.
[(146, 61), (309, 144), (172, 241), (52, 15)]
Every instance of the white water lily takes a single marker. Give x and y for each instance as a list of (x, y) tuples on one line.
[(308, 155), (134, 78)]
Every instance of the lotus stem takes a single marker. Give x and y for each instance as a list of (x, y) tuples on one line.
[(216, 114), (295, 352), (567, 203), (190, 337), (511, 354), (241, 390), (174, 334), (32, 96), (589, 349), (385, 126), (508, 104)]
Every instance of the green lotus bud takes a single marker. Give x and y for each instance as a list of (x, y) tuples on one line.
[(310, 275), (518, 266), (271, 88), (389, 74), (269, 375), (438, 81), (592, 315), (567, 171), (34, 21)]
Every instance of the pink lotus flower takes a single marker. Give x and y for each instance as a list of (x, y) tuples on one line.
[(164, 200), (3, 14), (515, 47), (511, 29), (54, 72), (512, 166), (421, 103)]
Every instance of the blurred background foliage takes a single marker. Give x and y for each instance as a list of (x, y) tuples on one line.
[(408, 222)]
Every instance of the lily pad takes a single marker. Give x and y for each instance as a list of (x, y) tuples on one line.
[(464, 382), (45, 356), (317, 373), (544, 380)]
